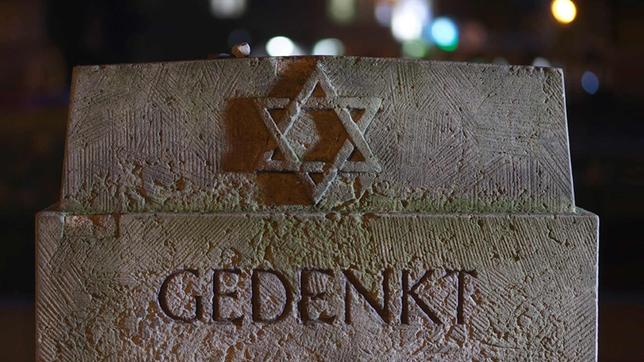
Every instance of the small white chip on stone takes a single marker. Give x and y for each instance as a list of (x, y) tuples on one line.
[(241, 50)]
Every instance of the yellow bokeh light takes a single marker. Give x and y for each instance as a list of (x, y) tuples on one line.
[(564, 11)]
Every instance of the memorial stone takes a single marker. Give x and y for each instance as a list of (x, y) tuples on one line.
[(316, 208)]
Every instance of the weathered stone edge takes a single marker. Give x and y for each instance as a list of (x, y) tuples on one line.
[(354, 58)]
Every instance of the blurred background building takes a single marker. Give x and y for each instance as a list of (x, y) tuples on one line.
[(598, 43)]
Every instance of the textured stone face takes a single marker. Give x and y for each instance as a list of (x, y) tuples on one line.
[(316, 134), (458, 287), (316, 208)]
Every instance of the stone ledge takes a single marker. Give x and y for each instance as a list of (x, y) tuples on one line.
[(509, 287), (315, 134)]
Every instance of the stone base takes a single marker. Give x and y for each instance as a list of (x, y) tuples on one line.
[(316, 286)]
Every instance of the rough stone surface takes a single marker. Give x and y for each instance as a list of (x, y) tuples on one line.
[(316, 208), (533, 296), (196, 136)]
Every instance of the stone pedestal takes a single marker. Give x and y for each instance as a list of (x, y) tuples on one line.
[(316, 208)]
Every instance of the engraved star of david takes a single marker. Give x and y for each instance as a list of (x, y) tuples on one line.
[(342, 106)]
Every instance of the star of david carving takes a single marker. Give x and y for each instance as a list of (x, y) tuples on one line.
[(293, 109)]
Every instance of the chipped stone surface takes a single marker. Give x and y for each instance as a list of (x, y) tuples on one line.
[(316, 208), (533, 295), (202, 136)]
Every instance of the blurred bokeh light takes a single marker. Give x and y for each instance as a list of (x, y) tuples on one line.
[(590, 82), (564, 11), (342, 11), (280, 46), (444, 33), (409, 18), (329, 46), (227, 8)]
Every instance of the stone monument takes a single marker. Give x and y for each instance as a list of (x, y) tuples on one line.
[(316, 208)]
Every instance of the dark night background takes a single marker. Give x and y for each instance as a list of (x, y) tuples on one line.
[(41, 40)]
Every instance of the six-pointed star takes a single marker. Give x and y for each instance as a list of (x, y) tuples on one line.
[(331, 101)]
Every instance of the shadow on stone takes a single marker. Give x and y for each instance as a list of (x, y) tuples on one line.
[(249, 139)]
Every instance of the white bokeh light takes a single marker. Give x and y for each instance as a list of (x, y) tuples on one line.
[(329, 46), (540, 62), (408, 19), (227, 8), (280, 46)]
